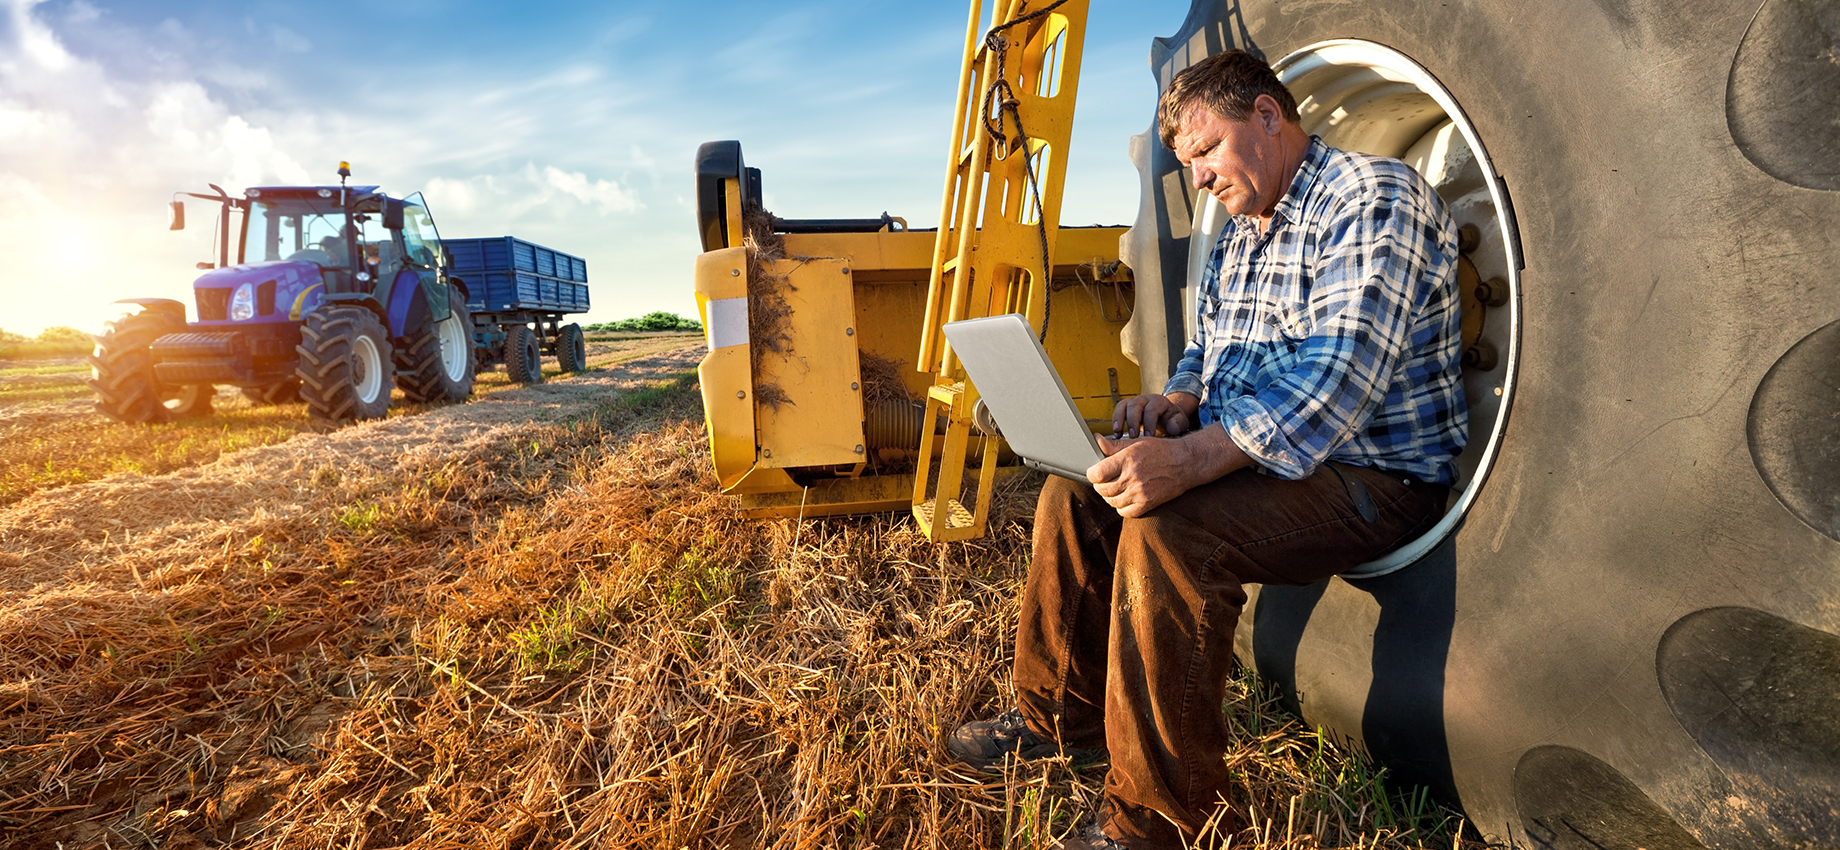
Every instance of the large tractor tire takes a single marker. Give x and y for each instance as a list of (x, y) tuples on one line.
[(121, 372), (571, 349), (344, 364), (1629, 633), (280, 392), (523, 355), (436, 362)]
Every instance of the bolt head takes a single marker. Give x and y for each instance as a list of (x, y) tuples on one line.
[(734, 272), (741, 394), (859, 449)]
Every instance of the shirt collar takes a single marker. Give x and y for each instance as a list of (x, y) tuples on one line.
[(1314, 156)]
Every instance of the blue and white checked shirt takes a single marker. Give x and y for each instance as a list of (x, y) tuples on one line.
[(1337, 333)]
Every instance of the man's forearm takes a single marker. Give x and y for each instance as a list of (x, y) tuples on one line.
[(1140, 474), (1212, 455)]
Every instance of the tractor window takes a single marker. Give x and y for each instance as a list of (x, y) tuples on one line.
[(420, 238), (296, 230)]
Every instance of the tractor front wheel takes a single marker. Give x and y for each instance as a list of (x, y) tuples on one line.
[(436, 363), (121, 371), (344, 364)]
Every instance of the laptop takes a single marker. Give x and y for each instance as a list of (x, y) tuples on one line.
[(1019, 385)]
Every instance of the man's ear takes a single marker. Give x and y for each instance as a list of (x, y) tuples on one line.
[(1270, 115)]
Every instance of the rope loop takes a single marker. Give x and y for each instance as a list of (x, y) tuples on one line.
[(1000, 95)]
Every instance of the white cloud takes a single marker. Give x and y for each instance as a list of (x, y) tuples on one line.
[(605, 194), (453, 197), (91, 155)]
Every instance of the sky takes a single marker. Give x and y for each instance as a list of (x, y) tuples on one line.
[(573, 125)]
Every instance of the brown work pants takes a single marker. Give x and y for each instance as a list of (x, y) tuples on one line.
[(1126, 632)]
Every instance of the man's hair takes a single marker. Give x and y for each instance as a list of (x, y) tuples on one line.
[(1225, 84)]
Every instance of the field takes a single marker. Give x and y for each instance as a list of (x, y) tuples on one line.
[(524, 621)]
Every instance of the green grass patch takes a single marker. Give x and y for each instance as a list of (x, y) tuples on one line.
[(76, 449), (42, 391), (361, 517), (79, 370)]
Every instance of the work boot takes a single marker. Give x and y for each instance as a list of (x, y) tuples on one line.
[(1090, 837), (985, 744)]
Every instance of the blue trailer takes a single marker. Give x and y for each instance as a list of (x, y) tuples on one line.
[(518, 293)]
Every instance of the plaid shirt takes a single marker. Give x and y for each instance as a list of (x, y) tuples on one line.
[(1336, 334)]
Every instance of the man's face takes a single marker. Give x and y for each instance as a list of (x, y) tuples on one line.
[(1238, 162)]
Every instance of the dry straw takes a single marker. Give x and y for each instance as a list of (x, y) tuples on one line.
[(531, 622)]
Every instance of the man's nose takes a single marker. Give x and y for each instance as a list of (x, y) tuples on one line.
[(1201, 176)]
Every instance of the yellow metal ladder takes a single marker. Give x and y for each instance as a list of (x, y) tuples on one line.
[(998, 221)]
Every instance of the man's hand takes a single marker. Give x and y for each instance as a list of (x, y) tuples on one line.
[(1140, 474), (1145, 415)]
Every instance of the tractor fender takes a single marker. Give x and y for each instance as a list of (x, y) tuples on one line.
[(358, 299), (158, 304), (413, 303)]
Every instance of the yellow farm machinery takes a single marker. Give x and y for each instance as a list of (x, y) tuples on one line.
[(1626, 630)]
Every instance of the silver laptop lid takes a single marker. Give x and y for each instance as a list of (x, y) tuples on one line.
[(1025, 394)]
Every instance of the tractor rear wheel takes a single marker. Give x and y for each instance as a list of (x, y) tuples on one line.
[(523, 357), (344, 364), (121, 371), (571, 349), (280, 392), (436, 362)]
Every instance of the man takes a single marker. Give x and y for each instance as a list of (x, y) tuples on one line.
[(1310, 427)]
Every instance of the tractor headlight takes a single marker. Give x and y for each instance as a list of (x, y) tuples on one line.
[(243, 303)]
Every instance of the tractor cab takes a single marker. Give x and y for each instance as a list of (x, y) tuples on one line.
[(299, 245)]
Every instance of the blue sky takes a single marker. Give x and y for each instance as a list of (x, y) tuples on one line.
[(570, 124)]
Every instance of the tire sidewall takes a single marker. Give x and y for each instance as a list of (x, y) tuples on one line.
[(456, 388), (1664, 274), (379, 348)]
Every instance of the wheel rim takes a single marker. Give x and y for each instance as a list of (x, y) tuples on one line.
[(179, 398), (366, 369), (454, 348), (1353, 93)]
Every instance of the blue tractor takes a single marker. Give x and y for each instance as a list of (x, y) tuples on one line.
[(330, 293)]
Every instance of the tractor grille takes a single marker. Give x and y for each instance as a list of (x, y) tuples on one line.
[(213, 305), (202, 358), (190, 345), (216, 370)]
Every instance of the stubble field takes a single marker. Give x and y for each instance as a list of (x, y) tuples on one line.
[(524, 621)]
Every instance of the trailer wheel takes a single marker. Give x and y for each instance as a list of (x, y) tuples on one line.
[(571, 349), (436, 362), (523, 359), (284, 391), (344, 364), (121, 370)]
